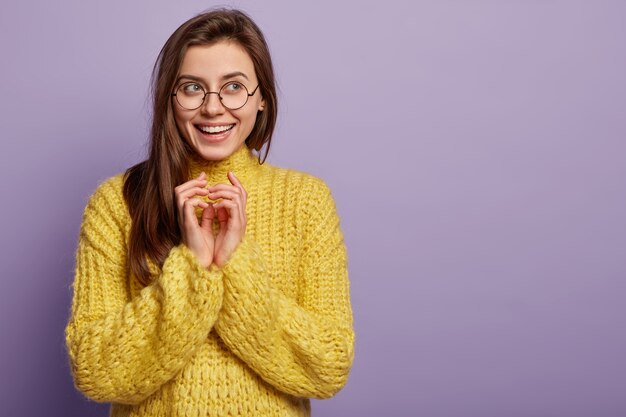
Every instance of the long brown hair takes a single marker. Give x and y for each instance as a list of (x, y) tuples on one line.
[(149, 185)]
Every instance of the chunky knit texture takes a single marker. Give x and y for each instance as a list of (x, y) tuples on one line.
[(257, 337)]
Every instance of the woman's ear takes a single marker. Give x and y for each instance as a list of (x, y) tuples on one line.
[(262, 105)]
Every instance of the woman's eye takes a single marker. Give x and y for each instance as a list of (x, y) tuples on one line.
[(192, 88), (233, 87)]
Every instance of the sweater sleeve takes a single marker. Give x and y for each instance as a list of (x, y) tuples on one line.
[(302, 346), (121, 349)]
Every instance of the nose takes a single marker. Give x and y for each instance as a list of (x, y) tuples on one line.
[(212, 104)]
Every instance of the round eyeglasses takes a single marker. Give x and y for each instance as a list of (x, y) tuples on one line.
[(233, 95)]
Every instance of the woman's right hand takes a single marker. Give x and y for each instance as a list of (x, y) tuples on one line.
[(198, 237)]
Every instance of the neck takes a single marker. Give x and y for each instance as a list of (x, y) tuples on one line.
[(243, 163)]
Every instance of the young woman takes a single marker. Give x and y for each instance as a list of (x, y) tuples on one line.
[(207, 282)]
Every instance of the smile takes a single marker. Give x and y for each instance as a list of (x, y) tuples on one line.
[(214, 129)]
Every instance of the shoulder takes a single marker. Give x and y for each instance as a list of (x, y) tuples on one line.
[(106, 205), (109, 193), (109, 188), (310, 208), (308, 195), (306, 185)]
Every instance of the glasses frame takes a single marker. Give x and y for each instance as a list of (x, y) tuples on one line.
[(206, 93)]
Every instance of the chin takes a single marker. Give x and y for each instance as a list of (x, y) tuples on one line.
[(217, 153)]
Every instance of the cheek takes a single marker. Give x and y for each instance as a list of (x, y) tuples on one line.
[(250, 117), (177, 118), (182, 121), (182, 125)]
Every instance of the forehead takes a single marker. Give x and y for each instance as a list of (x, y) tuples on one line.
[(212, 61)]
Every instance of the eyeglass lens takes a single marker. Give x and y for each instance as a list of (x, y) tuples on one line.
[(191, 95)]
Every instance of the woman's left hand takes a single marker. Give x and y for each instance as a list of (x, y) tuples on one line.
[(231, 214)]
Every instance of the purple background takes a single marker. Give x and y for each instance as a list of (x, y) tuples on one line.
[(476, 151)]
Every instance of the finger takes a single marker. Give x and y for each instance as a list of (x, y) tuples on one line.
[(235, 185), (222, 186), (194, 181), (200, 181), (181, 195), (207, 218), (228, 214), (228, 194), (225, 191), (222, 214), (233, 189), (189, 193), (235, 198), (193, 203), (189, 214), (181, 210), (235, 181), (190, 184)]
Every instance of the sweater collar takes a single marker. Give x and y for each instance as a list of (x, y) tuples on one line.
[(243, 163)]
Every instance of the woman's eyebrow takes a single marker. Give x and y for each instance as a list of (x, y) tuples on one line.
[(190, 77), (224, 77), (235, 74)]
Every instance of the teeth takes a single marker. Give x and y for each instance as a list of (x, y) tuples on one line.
[(215, 129)]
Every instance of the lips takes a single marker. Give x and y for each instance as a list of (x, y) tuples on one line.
[(214, 129)]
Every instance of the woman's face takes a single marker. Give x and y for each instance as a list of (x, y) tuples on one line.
[(214, 131)]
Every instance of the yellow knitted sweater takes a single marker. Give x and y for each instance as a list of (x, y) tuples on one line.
[(257, 337)]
